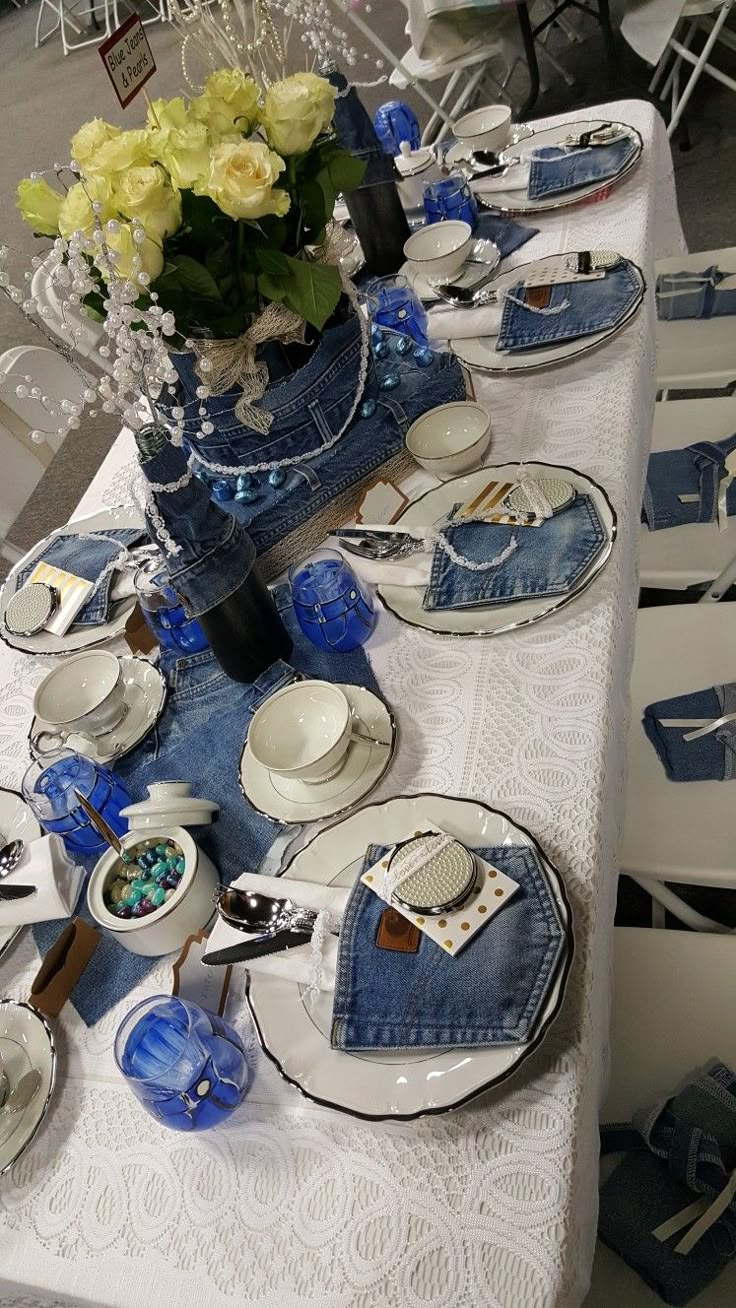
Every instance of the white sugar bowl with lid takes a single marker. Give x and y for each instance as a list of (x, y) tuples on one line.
[(187, 904), (416, 168)]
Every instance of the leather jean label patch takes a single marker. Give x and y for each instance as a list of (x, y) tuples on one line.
[(394, 932), (537, 297)]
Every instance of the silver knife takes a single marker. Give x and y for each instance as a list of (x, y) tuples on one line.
[(16, 892)]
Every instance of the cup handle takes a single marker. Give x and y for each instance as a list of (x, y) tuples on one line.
[(47, 743)]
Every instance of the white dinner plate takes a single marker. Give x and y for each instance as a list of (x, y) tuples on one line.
[(145, 695), (287, 800), (77, 637), (26, 1042), (482, 354), (16, 823), (517, 202), (432, 507), (396, 1084)]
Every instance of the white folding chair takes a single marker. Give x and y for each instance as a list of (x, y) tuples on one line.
[(679, 557), (62, 316), (56, 380), (678, 831), (672, 1011), (697, 353), (709, 17)]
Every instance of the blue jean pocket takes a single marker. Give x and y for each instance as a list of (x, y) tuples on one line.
[(555, 169), (547, 561), (694, 473), (87, 558), (491, 993), (573, 309), (708, 758)]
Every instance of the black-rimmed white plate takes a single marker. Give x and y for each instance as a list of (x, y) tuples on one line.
[(26, 1043), (481, 353), (77, 637), (16, 823), (396, 1084), (493, 196), (434, 506)]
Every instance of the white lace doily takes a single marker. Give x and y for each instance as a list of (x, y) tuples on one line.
[(489, 1207)]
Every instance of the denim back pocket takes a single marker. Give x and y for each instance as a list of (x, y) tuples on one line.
[(548, 560), (86, 558), (685, 294), (556, 169), (573, 309), (492, 993)]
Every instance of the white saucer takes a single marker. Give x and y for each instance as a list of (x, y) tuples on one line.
[(145, 694), (26, 1042), (293, 801)]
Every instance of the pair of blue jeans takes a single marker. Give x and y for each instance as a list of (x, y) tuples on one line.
[(87, 558), (696, 472), (556, 169), (709, 758), (548, 560), (491, 993), (309, 408), (675, 1151), (694, 295), (199, 737), (572, 309)]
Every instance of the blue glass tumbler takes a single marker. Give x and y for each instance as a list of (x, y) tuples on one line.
[(332, 608), (49, 790), (164, 612), (450, 197), (186, 1066), (393, 304)]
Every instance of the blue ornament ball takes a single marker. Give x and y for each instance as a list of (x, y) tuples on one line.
[(277, 477), (390, 381), (404, 345), (423, 357), (248, 495), (222, 491), (367, 408)]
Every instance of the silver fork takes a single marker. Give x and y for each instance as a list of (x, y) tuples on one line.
[(371, 548)]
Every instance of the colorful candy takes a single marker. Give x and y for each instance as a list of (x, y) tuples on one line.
[(141, 887)]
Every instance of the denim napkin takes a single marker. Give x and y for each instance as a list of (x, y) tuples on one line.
[(200, 737), (87, 558), (556, 169), (695, 295), (489, 994), (571, 310), (547, 561), (678, 1150), (709, 758), (504, 232), (697, 472)]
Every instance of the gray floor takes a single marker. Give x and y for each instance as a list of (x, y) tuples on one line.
[(44, 98)]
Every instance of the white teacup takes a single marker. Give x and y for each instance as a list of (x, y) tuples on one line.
[(81, 699), (488, 128), (302, 732)]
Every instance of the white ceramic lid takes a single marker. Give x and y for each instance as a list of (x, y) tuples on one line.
[(414, 162), (170, 803)]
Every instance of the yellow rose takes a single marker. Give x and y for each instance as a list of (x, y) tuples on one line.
[(228, 103), (241, 180), (144, 193), (150, 252), (296, 111), (76, 213), (164, 115), (39, 206), (186, 155), (90, 138), (128, 150)]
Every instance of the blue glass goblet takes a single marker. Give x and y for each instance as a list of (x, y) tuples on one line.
[(450, 197), (164, 611), (186, 1066), (50, 791), (332, 608), (395, 122)]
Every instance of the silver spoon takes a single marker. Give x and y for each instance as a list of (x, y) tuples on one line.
[(262, 915), (462, 296), (19, 1098), (10, 856), (373, 549)]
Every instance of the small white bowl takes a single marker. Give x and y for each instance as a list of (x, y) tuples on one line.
[(302, 732), (441, 248), (450, 439), (191, 906), (488, 128)]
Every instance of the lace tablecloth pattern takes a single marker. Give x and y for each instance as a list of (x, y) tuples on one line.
[(492, 1206)]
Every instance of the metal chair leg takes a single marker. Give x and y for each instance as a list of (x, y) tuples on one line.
[(530, 52), (702, 61)]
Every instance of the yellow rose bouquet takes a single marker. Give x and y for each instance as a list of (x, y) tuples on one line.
[(216, 205)]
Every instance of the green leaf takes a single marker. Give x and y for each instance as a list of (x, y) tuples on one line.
[(191, 276), (310, 290)]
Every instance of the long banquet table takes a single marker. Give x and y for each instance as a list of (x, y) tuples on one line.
[(491, 1206)]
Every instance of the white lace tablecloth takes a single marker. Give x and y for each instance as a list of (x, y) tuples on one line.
[(493, 1206)]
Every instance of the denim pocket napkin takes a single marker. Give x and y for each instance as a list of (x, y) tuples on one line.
[(709, 758), (88, 558), (556, 169), (569, 310), (492, 993)]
